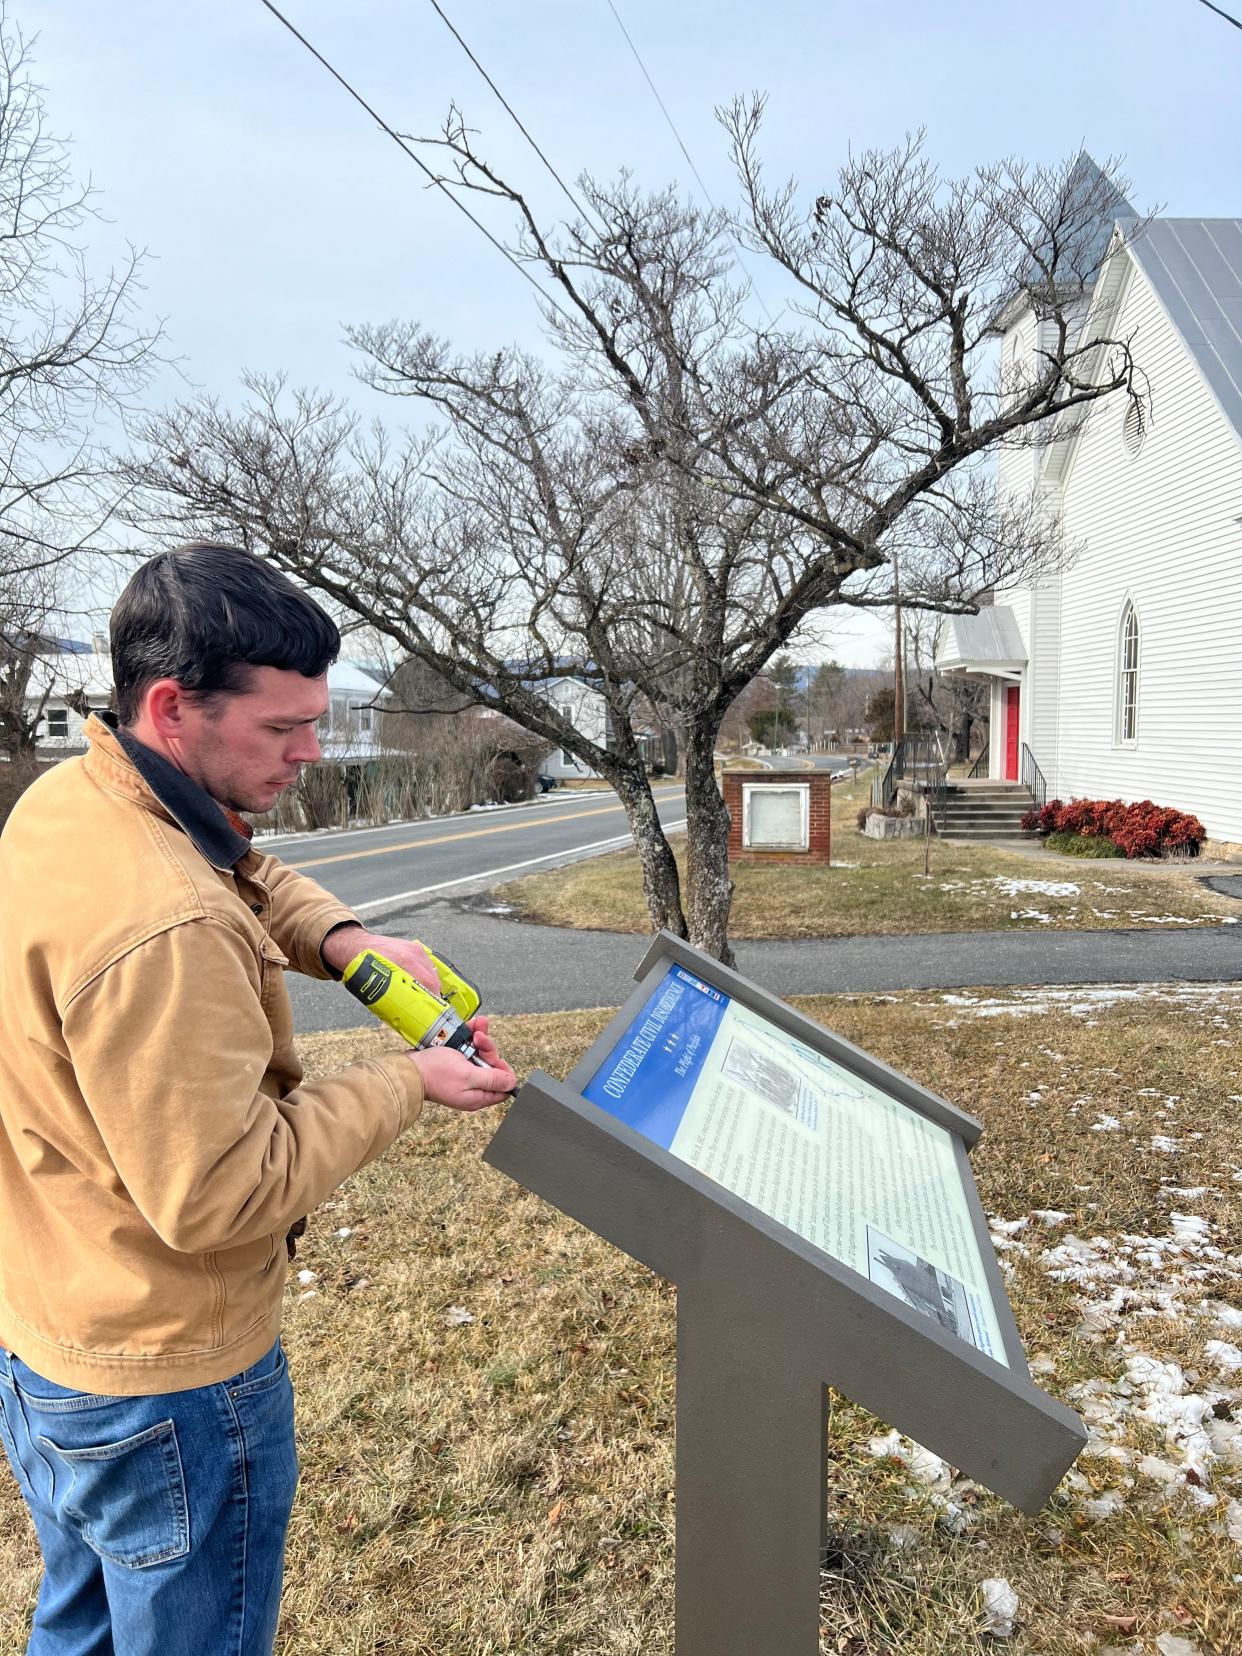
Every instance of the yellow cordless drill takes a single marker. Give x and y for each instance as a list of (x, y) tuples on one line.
[(420, 1017)]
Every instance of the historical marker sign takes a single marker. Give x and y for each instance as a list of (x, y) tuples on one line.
[(818, 1213)]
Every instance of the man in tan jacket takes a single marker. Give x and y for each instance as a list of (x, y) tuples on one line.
[(157, 1140)]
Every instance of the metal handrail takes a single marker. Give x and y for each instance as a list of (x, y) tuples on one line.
[(1033, 778), (980, 766), (920, 759), (884, 787)]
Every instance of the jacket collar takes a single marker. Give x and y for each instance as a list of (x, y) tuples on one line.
[(145, 776)]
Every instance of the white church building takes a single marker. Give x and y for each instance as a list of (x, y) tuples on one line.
[(1121, 676)]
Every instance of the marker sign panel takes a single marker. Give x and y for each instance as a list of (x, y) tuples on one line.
[(857, 1173)]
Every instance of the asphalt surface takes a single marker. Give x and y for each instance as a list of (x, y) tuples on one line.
[(526, 968), (431, 880), (376, 870)]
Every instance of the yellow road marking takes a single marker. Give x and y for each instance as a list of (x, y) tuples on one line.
[(443, 839)]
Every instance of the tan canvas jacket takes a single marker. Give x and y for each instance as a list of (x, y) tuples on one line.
[(156, 1137)]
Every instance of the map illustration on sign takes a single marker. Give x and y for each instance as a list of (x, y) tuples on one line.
[(854, 1171)]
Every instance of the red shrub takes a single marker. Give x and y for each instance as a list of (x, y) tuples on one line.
[(1143, 829)]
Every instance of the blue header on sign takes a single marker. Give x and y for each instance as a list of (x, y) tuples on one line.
[(648, 1077)]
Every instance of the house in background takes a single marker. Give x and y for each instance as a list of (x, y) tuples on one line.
[(351, 731), (1121, 676), (587, 710), (66, 678)]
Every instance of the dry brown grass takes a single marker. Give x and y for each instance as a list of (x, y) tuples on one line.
[(878, 888), (504, 1485)]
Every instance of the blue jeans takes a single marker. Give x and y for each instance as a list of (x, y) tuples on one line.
[(161, 1519)]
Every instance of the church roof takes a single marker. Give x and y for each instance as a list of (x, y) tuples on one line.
[(1195, 268)]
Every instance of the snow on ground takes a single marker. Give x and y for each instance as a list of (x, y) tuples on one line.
[(1085, 1002), (1064, 891)]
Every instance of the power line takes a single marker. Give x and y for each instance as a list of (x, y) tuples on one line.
[(681, 145), (417, 159), (513, 115), (663, 107), (1219, 13)]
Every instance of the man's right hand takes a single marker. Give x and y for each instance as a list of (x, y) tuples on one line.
[(450, 1079)]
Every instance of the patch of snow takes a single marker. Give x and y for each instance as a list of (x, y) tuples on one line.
[(1172, 1644), (1050, 1216), (1045, 888), (1107, 1124), (1000, 1607), (1169, 1146), (456, 1315), (1226, 1356), (1159, 1471), (307, 1276)]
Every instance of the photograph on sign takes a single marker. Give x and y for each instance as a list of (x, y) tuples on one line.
[(854, 1171)]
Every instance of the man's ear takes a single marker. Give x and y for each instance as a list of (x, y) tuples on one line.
[(165, 704)]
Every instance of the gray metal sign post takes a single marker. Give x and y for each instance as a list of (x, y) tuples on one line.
[(766, 1319)]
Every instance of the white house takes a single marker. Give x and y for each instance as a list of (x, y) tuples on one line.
[(585, 708), (1121, 677)]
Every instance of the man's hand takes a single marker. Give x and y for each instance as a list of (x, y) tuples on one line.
[(450, 1079), (343, 943)]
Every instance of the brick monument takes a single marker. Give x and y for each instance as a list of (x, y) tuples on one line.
[(779, 816)]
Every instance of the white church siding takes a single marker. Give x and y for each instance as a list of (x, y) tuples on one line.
[(1162, 529)]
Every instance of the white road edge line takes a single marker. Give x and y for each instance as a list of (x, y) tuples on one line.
[(566, 855)]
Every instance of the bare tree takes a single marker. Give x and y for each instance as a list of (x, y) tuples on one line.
[(663, 510), (71, 354)]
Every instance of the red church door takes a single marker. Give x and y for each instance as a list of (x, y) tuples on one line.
[(1013, 704)]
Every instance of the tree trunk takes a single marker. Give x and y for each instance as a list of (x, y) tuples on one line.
[(962, 743), (661, 881), (709, 890)]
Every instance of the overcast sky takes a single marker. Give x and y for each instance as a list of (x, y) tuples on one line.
[(276, 211)]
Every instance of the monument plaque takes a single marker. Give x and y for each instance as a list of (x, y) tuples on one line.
[(818, 1214)]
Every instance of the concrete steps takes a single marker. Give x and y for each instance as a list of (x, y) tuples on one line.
[(986, 810)]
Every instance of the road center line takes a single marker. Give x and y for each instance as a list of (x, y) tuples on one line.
[(444, 839), (616, 842)]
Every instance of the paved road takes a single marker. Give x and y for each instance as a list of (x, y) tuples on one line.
[(375, 870), (524, 968)]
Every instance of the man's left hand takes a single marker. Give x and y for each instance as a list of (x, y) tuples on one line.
[(341, 945)]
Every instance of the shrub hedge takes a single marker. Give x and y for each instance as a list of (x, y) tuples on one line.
[(1142, 829), (1084, 845)]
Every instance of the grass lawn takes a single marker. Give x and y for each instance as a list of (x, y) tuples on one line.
[(878, 886), (486, 1390)]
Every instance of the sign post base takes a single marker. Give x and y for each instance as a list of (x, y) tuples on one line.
[(752, 1447)]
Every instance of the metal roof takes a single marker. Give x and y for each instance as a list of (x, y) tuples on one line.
[(985, 643), (1195, 267)]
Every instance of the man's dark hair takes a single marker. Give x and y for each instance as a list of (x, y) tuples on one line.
[(205, 615)]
